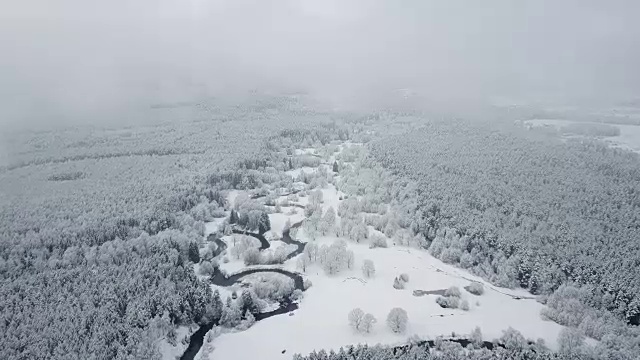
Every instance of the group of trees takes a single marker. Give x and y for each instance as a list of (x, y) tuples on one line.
[(363, 322), (511, 345), (252, 220), (333, 258)]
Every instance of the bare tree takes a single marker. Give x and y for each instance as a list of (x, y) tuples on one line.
[(368, 268), (397, 320), (355, 318), (367, 323), (302, 263)]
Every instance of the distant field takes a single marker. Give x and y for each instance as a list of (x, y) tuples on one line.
[(621, 136)]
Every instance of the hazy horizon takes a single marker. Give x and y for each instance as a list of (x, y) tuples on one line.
[(89, 61)]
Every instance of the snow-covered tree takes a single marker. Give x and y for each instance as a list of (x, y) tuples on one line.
[(231, 314), (233, 217), (359, 232), (397, 320), (368, 268), (315, 198), (264, 224), (570, 341), (355, 318), (476, 338), (311, 252), (252, 256), (350, 258), (377, 241), (247, 302), (328, 221), (367, 323), (248, 320), (302, 263)]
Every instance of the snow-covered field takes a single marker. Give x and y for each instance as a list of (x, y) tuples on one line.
[(278, 220), (321, 320), (628, 139)]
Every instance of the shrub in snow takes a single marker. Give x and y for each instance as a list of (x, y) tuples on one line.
[(398, 284), (404, 277), (475, 288), (377, 241), (448, 302), (225, 260), (464, 305), (397, 320), (453, 291), (368, 268)]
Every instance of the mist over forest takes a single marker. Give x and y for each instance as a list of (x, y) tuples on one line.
[(91, 61)]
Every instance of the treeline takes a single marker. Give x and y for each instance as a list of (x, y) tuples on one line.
[(510, 346)]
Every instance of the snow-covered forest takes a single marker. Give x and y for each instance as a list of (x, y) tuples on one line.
[(394, 228)]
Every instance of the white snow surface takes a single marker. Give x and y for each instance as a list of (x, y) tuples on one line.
[(212, 226), (296, 172), (629, 138), (278, 220)]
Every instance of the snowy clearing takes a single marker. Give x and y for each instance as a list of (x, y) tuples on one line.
[(629, 138)]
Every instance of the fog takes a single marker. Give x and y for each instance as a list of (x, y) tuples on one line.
[(90, 61)]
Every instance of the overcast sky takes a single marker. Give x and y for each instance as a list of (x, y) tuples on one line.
[(80, 58)]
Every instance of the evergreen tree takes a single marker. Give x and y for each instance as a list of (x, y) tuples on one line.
[(247, 302), (233, 217), (217, 305), (264, 223), (335, 166), (194, 252)]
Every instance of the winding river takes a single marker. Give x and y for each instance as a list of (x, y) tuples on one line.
[(219, 279)]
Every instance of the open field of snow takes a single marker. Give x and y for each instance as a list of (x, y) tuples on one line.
[(212, 226), (321, 321), (278, 220), (296, 172), (628, 139)]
